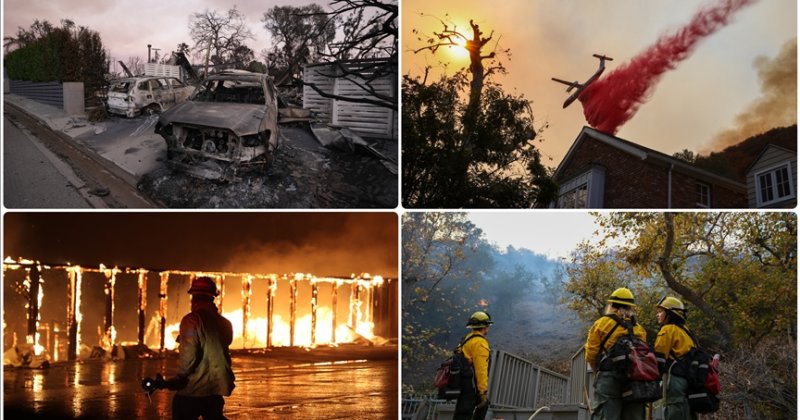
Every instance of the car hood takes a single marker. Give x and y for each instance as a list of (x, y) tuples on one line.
[(242, 119)]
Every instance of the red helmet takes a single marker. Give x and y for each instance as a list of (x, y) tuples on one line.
[(203, 286)]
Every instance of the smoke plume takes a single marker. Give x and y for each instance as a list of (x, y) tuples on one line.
[(611, 101), (777, 107)]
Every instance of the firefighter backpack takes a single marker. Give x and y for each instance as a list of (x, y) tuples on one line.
[(636, 360), (454, 373), (703, 376)]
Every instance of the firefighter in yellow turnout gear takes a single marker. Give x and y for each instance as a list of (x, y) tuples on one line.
[(672, 343), (607, 403), (473, 403)]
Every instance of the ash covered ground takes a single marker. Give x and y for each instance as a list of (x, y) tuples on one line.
[(304, 174)]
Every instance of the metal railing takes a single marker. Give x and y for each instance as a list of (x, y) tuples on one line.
[(518, 383), (50, 93)]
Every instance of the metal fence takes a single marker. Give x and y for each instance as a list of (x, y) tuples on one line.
[(580, 387), (518, 383), (50, 93)]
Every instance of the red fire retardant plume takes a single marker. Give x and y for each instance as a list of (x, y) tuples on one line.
[(611, 101)]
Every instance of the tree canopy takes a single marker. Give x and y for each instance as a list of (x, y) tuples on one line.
[(69, 53), (734, 271), (466, 142)]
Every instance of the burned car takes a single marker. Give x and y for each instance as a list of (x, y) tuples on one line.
[(231, 123), (146, 95)]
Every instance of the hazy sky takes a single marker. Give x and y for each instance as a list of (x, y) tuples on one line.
[(691, 105), (554, 234), (323, 244), (126, 27)]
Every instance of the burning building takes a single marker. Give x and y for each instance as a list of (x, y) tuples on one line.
[(73, 311)]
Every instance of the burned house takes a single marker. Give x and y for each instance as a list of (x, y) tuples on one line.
[(100, 309), (604, 171), (366, 83)]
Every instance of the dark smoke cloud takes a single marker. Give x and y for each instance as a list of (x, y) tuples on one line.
[(777, 106), (316, 243)]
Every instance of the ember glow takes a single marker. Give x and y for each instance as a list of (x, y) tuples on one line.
[(304, 314), (612, 100)]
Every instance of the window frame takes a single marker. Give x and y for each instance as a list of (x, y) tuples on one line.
[(771, 172), (699, 203)]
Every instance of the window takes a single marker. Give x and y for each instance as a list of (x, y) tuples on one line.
[(583, 191), (574, 199), (703, 196), (774, 185)]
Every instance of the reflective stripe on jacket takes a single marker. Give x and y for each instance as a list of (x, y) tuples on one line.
[(598, 332)]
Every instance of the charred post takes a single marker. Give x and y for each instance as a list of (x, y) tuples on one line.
[(73, 313), (292, 309), (220, 280), (108, 319), (162, 309), (335, 298), (247, 283), (142, 304), (270, 308), (33, 279), (314, 291)]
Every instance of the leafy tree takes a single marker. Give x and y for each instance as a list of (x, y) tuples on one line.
[(508, 289), (218, 35), (478, 153), (730, 269), (67, 53), (496, 164), (685, 155), (443, 259), (300, 36)]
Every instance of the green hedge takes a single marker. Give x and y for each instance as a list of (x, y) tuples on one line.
[(62, 55)]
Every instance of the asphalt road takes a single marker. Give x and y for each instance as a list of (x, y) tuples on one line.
[(34, 177), (266, 388)]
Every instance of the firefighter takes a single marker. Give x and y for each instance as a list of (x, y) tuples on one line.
[(672, 343), (608, 381), (473, 402), (204, 367)]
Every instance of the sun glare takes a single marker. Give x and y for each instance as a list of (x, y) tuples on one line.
[(459, 51)]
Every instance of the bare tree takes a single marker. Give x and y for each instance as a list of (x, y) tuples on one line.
[(218, 35), (370, 35), (135, 65)]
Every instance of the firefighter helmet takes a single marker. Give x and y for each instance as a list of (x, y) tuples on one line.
[(479, 319), (203, 286), (673, 305), (622, 296)]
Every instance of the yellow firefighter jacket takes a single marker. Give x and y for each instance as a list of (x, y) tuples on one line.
[(476, 351), (600, 330)]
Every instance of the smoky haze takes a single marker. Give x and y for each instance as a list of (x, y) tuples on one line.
[(777, 106), (316, 243)]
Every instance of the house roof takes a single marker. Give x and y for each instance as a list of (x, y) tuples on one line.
[(763, 151), (645, 153)]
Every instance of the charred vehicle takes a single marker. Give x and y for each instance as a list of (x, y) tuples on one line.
[(146, 95), (231, 123)]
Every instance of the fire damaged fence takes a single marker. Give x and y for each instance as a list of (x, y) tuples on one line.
[(102, 307)]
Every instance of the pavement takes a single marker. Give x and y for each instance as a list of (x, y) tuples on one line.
[(131, 144)]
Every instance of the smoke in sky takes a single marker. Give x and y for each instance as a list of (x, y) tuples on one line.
[(777, 106), (612, 100)]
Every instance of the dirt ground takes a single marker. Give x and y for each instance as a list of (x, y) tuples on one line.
[(304, 174)]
